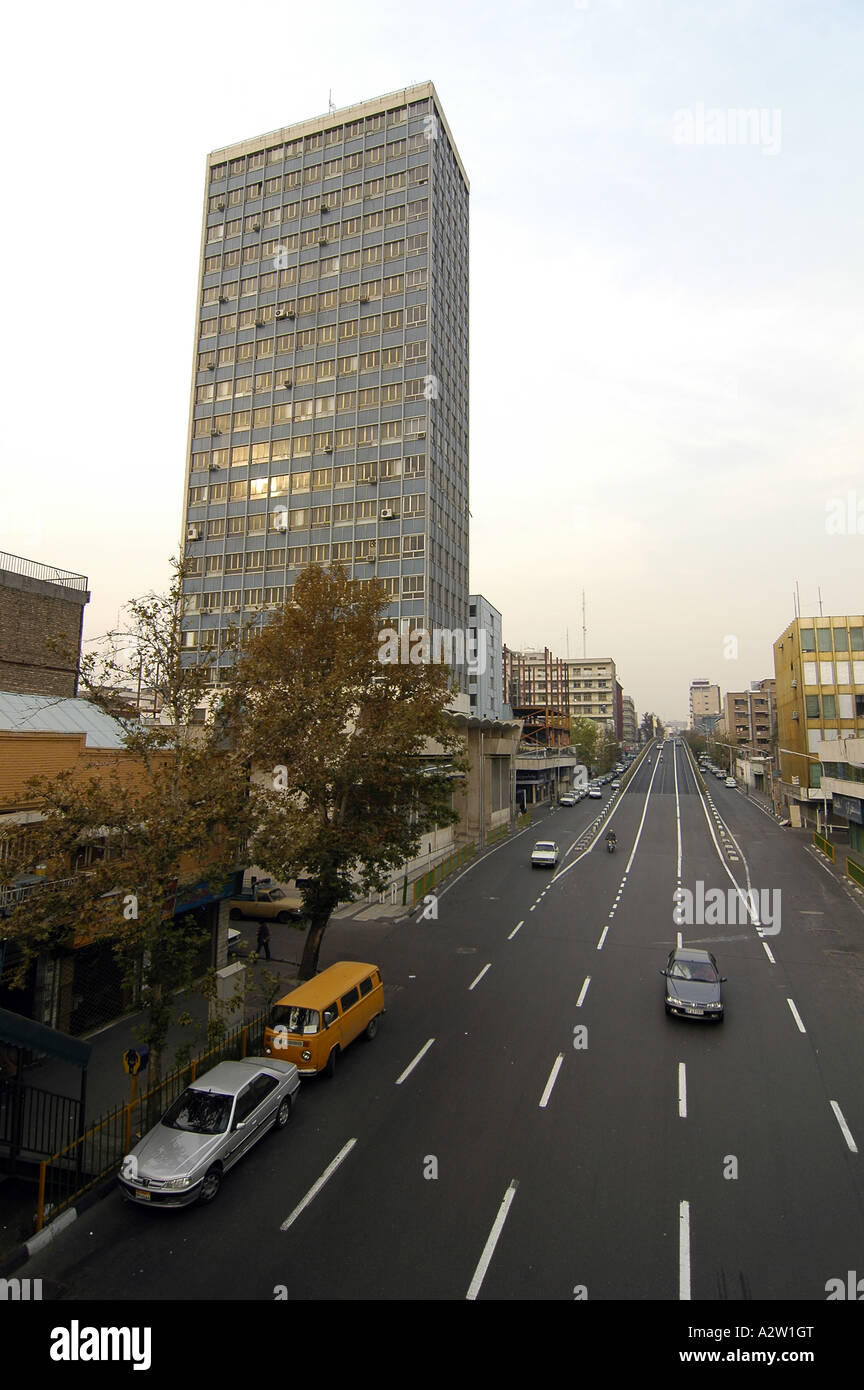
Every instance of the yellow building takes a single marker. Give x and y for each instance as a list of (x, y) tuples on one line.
[(819, 669)]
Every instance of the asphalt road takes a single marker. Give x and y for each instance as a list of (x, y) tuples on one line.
[(559, 1137)]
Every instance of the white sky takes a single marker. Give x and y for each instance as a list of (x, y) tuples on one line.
[(666, 340)]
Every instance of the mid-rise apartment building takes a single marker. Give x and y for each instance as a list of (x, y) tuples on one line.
[(704, 705), (749, 716), (581, 687), (629, 722), (486, 674), (819, 670), (329, 411)]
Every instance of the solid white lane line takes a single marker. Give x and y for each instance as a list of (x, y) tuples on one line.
[(515, 929), (682, 1090), (553, 1077), (480, 976), (767, 949), (489, 1247), (677, 807), (602, 938), (796, 1016), (316, 1187), (583, 992), (411, 1065), (847, 1133), (684, 1251)]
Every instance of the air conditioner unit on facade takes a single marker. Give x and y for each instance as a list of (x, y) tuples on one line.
[(193, 533), (387, 513)]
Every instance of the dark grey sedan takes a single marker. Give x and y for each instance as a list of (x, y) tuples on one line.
[(693, 983), (208, 1128)]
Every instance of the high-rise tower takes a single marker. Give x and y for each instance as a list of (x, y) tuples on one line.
[(329, 412)]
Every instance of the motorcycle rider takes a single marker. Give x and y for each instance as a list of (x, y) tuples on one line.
[(611, 839)]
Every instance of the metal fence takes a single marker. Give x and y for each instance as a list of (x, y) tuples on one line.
[(35, 1121), (427, 881), (67, 1174), (16, 564), (825, 845), (855, 872)]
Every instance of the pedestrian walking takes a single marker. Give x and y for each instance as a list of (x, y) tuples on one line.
[(264, 939)]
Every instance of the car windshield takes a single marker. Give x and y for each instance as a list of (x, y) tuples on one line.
[(199, 1112), (293, 1019), (693, 970), (544, 845)]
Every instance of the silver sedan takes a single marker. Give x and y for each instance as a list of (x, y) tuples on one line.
[(207, 1130)]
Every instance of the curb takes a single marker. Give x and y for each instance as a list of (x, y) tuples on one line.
[(22, 1253)]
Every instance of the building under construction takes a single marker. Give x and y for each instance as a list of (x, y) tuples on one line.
[(537, 689)]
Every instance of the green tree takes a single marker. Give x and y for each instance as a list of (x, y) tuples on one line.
[(584, 738), (354, 756), (172, 803)]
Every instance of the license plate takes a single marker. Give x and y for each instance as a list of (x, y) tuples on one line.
[(142, 1196), (694, 1011)]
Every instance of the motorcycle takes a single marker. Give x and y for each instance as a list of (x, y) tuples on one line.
[(610, 845)]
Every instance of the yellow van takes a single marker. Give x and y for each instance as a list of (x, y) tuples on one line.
[(316, 1021)]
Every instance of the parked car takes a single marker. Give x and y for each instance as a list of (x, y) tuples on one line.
[(568, 799), (595, 793), (319, 1019), (544, 855), (730, 782), (216, 1120), (615, 784), (276, 904), (693, 983)]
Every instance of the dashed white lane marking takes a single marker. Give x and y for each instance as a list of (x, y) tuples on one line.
[(411, 1065), (682, 1090), (602, 938), (847, 1134), (489, 1247), (796, 1016), (767, 950), (480, 976), (583, 992), (316, 1187), (553, 1077), (684, 1251), (515, 929)]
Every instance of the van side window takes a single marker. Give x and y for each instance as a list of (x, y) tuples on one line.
[(331, 1013), (365, 986), (350, 998)]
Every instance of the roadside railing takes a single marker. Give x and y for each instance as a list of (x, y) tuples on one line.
[(855, 872), (73, 1170), (825, 845), (426, 882)]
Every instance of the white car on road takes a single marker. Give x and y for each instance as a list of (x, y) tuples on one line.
[(544, 855)]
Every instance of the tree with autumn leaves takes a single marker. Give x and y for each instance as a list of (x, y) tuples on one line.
[(328, 759), (353, 754), (168, 805)]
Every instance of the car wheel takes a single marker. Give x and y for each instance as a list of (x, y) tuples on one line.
[(282, 917), (371, 1028), (668, 1010), (283, 1114), (720, 1017), (235, 914), (210, 1186), (330, 1069)]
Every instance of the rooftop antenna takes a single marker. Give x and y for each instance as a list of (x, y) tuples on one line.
[(797, 600), (584, 628), (819, 592), (330, 105), (568, 644)]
